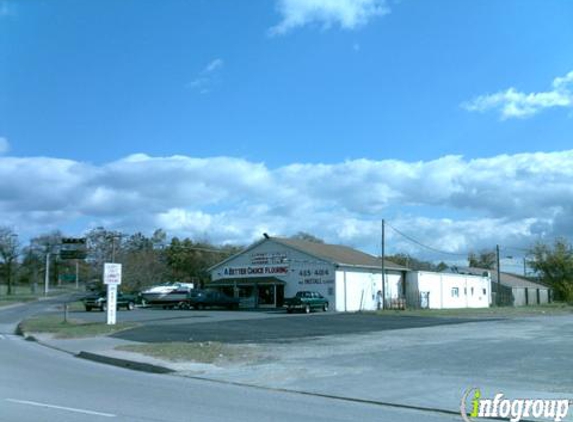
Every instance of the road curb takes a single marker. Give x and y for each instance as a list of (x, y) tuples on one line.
[(125, 363)]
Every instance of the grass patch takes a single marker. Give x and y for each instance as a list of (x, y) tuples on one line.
[(556, 308), (73, 306), (73, 328), (202, 352)]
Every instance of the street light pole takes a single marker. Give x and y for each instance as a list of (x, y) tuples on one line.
[(383, 269), (498, 276), (47, 274)]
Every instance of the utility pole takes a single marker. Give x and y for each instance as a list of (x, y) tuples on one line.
[(498, 276), (112, 248), (47, 273), (383, 268), (77, 274)]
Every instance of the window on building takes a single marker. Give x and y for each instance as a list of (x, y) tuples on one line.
[(484, 291), (330, 291), (472, 291), (455, 292)]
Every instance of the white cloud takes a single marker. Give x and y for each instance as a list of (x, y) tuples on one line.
[(4, 145), (213, 66), (450, 203), (207, 78), (348, 14), (515, 104), (7, 9)]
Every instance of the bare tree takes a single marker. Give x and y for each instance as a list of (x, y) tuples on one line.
[(308, 237), (9, 250)]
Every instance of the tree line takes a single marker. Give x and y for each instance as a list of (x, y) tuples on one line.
[(146, 260), (154, 259)]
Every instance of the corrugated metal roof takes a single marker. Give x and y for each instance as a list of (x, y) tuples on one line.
[(336, 254), (507, 279)]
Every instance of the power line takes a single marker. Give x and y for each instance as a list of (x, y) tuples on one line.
[(516, 249), (417, 242)]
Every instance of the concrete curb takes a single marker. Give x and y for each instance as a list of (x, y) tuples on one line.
[(108, 360), (124, 363)]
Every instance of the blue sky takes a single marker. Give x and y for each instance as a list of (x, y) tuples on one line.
[(351, 89)]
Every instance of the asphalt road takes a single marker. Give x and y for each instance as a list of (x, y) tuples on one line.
[(10, 317), (41, 384), (275, 328)]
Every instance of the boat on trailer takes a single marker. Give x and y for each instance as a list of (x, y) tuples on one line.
[(167, 295)]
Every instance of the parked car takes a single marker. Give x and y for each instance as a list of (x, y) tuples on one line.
[(99, 301), (306, 301), (201, 299)]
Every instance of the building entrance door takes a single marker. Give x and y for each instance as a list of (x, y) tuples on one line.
[(271, 296)]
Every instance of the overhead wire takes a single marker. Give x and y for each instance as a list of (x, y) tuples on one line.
[(417, 242)]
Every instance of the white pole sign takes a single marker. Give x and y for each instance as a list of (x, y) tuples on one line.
[(112, 278), (111, 303)]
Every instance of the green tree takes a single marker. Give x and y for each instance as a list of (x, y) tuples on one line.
[(407, 261), (555, 267), (189, 261), (144, 262), (9, 250), (485, 258), (308, 237), (442, 266)]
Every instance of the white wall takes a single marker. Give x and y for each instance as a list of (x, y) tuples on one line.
[(301, 271), (472, 291), (543, 296), (357, 290)]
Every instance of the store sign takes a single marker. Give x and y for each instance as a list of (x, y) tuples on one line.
[(268, 258), (256, 271), (316, 276)]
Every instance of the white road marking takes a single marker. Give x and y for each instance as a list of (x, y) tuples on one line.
[(69, 409)]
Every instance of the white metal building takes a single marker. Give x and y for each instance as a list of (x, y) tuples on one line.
[(447, 291), (275, 268), (514, 290)]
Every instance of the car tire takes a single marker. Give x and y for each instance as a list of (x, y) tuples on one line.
[(200, 306), (289, 311), (325, 307), (307, 309), (130, 306), (88, 308)]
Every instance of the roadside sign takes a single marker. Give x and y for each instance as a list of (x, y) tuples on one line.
[(73, 254), (73, 248), (73, 241), (111, 303), (111, 274)]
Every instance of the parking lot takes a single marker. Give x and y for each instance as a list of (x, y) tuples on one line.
[(412, 361), (158, 325)]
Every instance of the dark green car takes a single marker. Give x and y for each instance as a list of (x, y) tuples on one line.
[(99, 301), (306, 301)]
